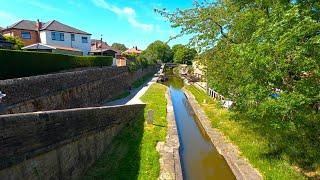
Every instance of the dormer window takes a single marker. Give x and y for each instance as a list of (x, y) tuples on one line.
[(25, 35)]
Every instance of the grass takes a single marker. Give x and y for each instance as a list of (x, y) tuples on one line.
[(132, 153), (142, 80), (244, 134)]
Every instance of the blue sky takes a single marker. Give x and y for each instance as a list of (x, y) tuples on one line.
[(132, 22)]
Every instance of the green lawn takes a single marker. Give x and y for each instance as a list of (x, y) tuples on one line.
[(244, 134), (133, 154)]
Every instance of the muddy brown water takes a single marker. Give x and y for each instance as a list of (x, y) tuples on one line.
[(199, 158)]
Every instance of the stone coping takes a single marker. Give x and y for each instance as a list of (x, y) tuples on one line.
[(240, 167), (170, 166)]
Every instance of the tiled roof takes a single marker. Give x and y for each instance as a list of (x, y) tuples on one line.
[(134, 50), (24, 24), (57, 26), (45, 46), (96, 46), (50, 26)]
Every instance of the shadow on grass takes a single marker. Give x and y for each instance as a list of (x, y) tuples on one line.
[(122, 158)]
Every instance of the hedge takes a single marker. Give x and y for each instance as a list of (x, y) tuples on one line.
[(15, 64)]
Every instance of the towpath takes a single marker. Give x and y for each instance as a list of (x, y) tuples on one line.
[(135, 95)]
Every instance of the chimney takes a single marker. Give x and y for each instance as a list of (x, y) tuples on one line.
[(39, 25), (137, 48)]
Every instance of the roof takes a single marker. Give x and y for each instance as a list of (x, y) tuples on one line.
[(1, 28), (57, 26), (96, 46), (49, 26), (134, 50), (45, 46), (103, 50), (25, 25)]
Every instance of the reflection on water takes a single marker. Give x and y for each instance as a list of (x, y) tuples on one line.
[(199, 158)]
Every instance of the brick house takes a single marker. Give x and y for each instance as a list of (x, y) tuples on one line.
[(26, 30), (51, 36)]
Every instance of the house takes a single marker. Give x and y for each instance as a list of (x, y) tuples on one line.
[(50, 36), (4, 44), (26, 30), (133, 50), (99, 47)]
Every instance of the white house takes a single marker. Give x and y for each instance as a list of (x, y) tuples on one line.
[(55, 35)]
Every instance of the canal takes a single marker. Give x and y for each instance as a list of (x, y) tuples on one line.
[(199, 158)]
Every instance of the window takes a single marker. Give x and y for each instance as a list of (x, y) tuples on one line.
[(72, 37), (25, 35), (84, 39), (56, 36), (61, 37), (53, 35)]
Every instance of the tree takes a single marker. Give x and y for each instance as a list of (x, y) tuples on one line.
[(176, 47), (258, 48), (183, 54), (18, 43), (120, 47), (158, 51)]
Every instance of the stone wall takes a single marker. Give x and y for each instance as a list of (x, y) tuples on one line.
[(59, 144), (76, 89)]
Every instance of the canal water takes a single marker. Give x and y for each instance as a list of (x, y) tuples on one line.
[(199, 158)]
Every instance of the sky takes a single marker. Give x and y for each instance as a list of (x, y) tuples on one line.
[(131, 22)]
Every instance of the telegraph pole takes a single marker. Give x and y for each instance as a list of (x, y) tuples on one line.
[(101, 46)]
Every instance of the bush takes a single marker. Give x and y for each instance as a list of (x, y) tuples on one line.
[(15, 64)]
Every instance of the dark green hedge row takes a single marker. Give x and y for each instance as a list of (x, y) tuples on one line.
[(15, 64)]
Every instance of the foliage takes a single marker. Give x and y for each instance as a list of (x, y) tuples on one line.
[(157, 51), (130, 57), (132, 153), (183, 54), (15, 64), (255, 49), (120, 47), (245, 134), (18, 43)]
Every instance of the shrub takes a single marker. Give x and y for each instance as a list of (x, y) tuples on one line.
[(15, 64)]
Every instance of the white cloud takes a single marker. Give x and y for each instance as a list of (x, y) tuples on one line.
[(7, 18), (45, 6), (127, 12), (6, 15)]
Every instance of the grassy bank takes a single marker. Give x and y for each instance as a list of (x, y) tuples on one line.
[(142, 80), (133, 154), (244, 134)]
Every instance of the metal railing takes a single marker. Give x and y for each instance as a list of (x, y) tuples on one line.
[(215, 95)]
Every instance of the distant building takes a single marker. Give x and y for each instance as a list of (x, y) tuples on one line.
[(133, 50), (99, 48), (52, 34)]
